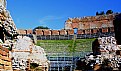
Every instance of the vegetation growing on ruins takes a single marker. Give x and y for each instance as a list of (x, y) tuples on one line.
[(109, 12), (33, 65), (58, 46), (103, 13)]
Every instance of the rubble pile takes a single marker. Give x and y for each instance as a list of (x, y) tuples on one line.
[(24, 50), (105, 45), (106, 54)]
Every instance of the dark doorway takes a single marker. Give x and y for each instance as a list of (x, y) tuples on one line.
[(83, 31), (91, 31), (100, 30), (1, 34), (109, 30)]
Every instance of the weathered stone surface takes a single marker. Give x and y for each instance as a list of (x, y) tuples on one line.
[(70, 32), (29, 31), (105, 44), (117, 28), (24, 49), (3, 2), (91, 22), (21, 31), (47, 32), (6, 20), (38, 32), (55, 32), (63, 32), (106, 55)]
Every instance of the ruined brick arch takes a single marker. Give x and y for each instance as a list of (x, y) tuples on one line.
[(68, 32), (75, 30), (84, 25), (83, 31), (91, 31), (42, 32)]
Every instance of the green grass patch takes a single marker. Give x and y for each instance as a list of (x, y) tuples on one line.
[(67, 46)]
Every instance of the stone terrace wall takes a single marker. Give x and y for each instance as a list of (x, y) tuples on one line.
[(66, 32), (46, 32)]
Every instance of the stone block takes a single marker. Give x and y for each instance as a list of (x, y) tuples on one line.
[(39, 32), (63, 32), (104, 30), (79, 32), (70, 32), (54, 32), (47, 32), (29, 31), (21, 31)]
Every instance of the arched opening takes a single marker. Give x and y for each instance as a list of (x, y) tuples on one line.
[(43, 32), (75, 30), (83, 31), (109, 30), (100, 30), (91, 31)]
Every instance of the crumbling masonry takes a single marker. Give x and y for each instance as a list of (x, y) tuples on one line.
[(17, 52), (84, 25)]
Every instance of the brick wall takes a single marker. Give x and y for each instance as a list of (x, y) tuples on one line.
[(47, 32), (63, 32), (104, 30), (29, 31), (90, 22), (85, 25), (70, 32), (80, 32), (111, 29), (54, 32), (22, 31), (75, 25), (5, 60), (39, 32), (87, 31), (95, 31)]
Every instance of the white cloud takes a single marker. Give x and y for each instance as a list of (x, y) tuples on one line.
[(44, 21)]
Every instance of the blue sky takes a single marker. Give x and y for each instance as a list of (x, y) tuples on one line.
[(28, 14)]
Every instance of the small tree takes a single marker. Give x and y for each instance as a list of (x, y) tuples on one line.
[(101, 13), (109, 12), (40, 27), (97, 13)]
